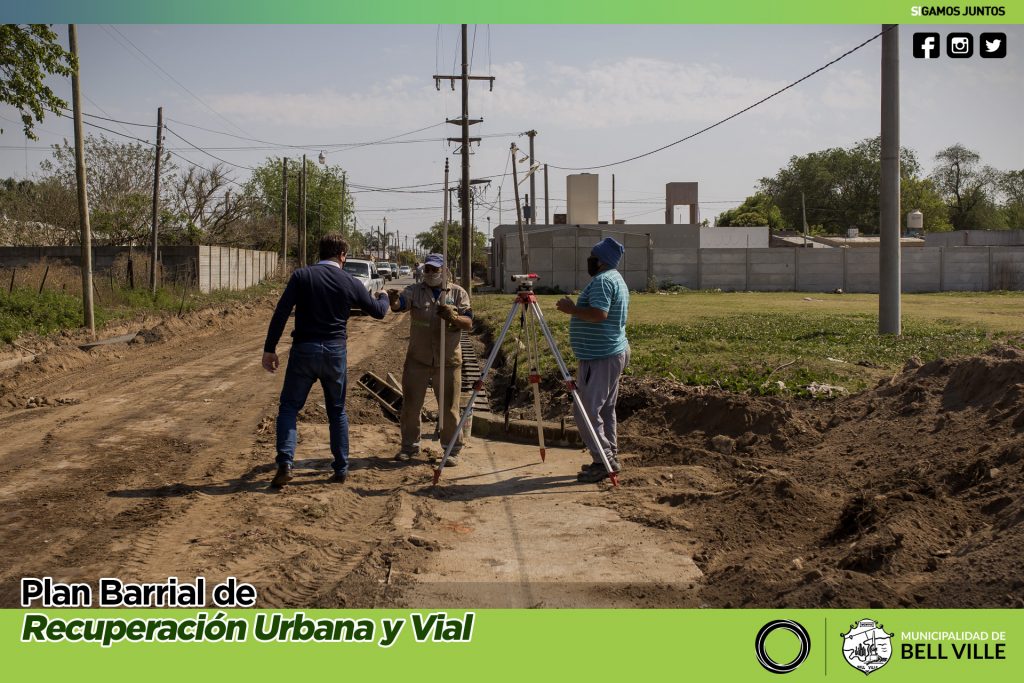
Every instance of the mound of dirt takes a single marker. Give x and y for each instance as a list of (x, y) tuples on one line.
[(908, 494)]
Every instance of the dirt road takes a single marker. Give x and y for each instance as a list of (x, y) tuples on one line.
[(152, 460)]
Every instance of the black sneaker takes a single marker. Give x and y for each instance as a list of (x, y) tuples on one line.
[(339, 478), (592, 475), (590, 465), (283, 476)]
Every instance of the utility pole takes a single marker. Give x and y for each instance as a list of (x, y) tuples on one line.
[(343, 232), (524, 257), (83, 197), (547, 216), (385, 236), (533, 185), (156, 198), (302, 214), (613, 199), (499, 204), (465, 122), (284, 215), (889, 304)]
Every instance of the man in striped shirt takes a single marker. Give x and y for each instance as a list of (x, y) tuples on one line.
[(597, 334)]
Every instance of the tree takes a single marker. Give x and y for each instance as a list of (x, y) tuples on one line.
[(968, 188), (42, 212), (841, 186), (120, 182), (203, 208), (1011, 184), (432, 241), (324, 199), (758, 209), (28, 53), (920, 194)]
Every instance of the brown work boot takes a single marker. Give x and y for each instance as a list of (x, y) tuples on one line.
[(283, 476)]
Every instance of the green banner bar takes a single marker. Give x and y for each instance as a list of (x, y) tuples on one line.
[(533, 645), (521, 12)]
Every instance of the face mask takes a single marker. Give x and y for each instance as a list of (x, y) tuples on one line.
[(432, 279), (593, 266)]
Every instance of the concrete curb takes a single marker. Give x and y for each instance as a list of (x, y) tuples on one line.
[(490, 426)]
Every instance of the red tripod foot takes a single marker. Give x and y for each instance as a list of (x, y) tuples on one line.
[(543, 455), (614, 479), (437, 475)]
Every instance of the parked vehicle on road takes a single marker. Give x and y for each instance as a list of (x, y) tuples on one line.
[(395, 270), (366, 272), (404, 270), (384, 268)]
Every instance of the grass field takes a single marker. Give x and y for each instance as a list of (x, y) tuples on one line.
[(750, 341)]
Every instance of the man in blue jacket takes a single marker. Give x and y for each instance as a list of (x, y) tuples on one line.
[(323, 296)]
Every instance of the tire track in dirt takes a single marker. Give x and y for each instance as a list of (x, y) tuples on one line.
[(160, 468)]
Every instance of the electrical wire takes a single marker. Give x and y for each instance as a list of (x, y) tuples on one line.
[(175, 80), (212, 156), (728, 118)]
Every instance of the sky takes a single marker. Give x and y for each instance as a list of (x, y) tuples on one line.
[(595, 94)]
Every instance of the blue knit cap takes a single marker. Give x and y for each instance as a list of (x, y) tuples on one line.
[(608, 251)]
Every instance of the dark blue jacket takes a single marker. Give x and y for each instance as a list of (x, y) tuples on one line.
[(323, 297)]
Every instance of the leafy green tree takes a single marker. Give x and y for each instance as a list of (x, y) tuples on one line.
[(758, 209), (324, 199), (920, 194), (28, 53), (968, 188), (841, 186), (432, 241), (119, 176), (1011, 184)]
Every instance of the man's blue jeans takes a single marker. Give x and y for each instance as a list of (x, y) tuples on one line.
[(307, 363)]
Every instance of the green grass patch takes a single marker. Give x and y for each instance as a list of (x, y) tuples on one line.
[(747, 342), (24, 310)]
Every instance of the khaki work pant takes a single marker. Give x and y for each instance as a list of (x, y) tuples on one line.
[(415, 376)]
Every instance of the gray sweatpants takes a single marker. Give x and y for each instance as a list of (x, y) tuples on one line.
[(598, 384)]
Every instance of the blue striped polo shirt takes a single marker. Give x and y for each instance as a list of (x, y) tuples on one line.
[(589, 341)]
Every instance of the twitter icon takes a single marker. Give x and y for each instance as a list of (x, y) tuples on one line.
[(993, 45)]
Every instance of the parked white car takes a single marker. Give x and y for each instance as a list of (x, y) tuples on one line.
[(365, 272), (384, 268), (404, 270)]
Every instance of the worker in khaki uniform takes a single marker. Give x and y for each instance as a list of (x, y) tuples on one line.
[(429, 308)]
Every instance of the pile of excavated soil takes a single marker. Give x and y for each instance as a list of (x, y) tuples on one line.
[(909, 494)]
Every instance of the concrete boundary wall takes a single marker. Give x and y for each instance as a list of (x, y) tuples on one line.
[(924, 269), (231, 268), (209, 267)]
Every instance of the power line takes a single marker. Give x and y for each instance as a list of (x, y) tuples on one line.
[(212, 156), (179, 83), (728, 118)]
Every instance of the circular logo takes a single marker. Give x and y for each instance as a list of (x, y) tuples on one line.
[(793, 627)]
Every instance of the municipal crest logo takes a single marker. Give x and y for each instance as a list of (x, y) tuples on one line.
[(866, 646)]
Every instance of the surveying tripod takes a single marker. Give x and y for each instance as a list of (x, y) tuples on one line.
[(526, 303)]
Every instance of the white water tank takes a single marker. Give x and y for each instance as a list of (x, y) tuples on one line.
[(915, 220), (581, 191)]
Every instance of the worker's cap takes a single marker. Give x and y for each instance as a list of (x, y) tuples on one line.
[(436, 260), (608, 251)]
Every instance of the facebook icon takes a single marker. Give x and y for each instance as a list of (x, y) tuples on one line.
[(926, 45)]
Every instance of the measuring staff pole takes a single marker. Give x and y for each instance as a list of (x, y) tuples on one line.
[(444, 296)]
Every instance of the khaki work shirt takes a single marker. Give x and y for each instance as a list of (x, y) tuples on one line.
[(425, 324)]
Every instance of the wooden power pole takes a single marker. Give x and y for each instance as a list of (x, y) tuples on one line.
[(302, 214), (284, 215), (83, 195), (154, 248), (533, 181), (465, 122)]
